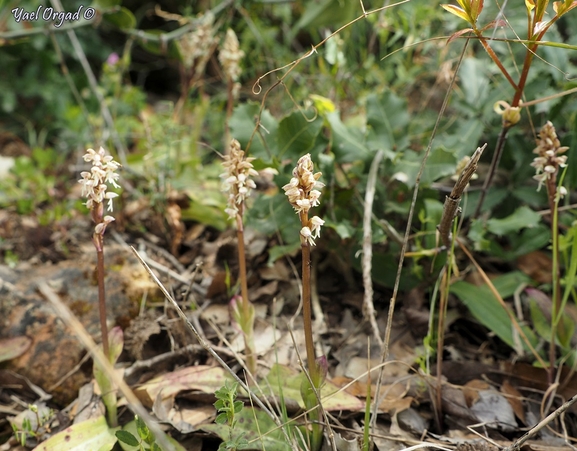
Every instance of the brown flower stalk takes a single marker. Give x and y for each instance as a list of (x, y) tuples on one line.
[(237, 182), (95, 189), (303, 194)]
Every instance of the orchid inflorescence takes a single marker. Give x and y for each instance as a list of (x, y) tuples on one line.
[(550, 158), (95, 188), (303, 194), (237, 181)]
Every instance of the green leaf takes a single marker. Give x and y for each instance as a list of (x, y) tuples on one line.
[(460, 136), (221, 418), (331, 396), (276, 252), (456, 11), (122, 18), (92, 434), (253, 426), (439, 164), (325, 13), (141, 428), (297, 135), (348, 142), (486, 308), (127, 437), (540, 323), (388, 120), (238, 406), (522, 218), (242, 124)]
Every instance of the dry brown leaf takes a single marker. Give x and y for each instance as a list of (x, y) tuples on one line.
[(515, 398), (278, 271), (203, 378), (471, 390), (537, 265)]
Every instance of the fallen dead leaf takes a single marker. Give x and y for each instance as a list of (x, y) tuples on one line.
[(202, 378)]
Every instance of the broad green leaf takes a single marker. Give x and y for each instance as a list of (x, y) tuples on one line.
[(344, 228), (325, 13), (242, 124), (440, 164), (348, 142), (206, 214), (276, 252), (90, 435), (486, 308), (297, 135), (475, 82), (255, 426), (522, 218), (527, 240), (388, 119), (458, 140)]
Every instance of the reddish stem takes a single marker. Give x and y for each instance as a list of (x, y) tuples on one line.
[(99, 243)]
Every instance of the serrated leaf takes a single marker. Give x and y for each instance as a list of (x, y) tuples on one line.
[(522, 218)]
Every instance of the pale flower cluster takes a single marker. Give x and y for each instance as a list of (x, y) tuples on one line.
[(196, 46), (303, 194), (94, 184), (237, 180), (549, 155), (230, 55)]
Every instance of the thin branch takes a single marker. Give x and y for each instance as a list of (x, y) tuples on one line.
[(452, 201), (516, 446), (367, 263)]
